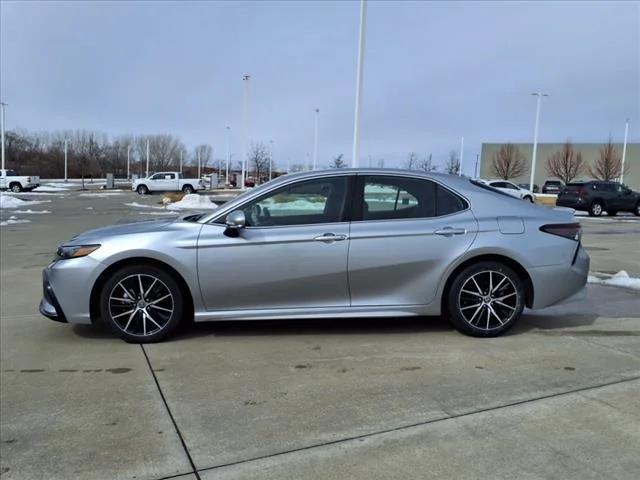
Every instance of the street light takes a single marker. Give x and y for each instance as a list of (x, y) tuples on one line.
[(65, 160), (226, 178), (315, 141), (461, 155), (624, 149), (270, 159), (535, 137), (147, 175), (356, 121), (128, 161), (2, 105), (245, 121)]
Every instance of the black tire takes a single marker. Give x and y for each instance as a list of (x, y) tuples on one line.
[(136, 327), (481, 315), (612, 213), (16, 187), (142, 190), (187, 189), (636, 212), (596, 208), (529, 198)]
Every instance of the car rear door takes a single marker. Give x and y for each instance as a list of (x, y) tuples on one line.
[(292, 253), (405, 232)]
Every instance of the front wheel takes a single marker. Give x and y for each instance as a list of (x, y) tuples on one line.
[(16, 187), (529, 198), (187, 189), (596, 208), (141, 304), (142, 190), (485, 299)]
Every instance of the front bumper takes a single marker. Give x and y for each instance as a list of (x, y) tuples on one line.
[(552, 284), (49, 305)]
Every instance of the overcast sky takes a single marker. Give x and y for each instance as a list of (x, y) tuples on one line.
[(433, 72)]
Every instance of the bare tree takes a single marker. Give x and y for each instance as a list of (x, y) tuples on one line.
[(453, 163), (204, 152), (508, 162), (426, 164), (608, 166), (338, 162), (259, 158), (565, 163), (412, 161)]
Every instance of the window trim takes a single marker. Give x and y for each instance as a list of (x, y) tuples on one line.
[(358, 198)]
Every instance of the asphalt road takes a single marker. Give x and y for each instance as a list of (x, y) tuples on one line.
[(558, 397)]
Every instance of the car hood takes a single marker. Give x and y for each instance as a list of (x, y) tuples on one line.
[(100, 234)]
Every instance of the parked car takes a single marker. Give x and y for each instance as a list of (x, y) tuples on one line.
[(552, 186), (167, 182), (525, 186), (511, 189), (321, 244), (597, 197), (9, 179)]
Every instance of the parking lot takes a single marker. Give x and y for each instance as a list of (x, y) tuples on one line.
[(557, 397)]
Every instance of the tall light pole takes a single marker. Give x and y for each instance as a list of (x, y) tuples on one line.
[(65, 159), (315, 140), (624, 149), (181, 160), (226, 178), (270, 159), (461, 156), (128, 162), (2, 105), (147, 157), (356, 121), (539, 96), (245, 130), (199, 162), (475, 170)]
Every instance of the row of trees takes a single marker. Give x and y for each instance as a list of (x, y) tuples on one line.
[(565, 163)]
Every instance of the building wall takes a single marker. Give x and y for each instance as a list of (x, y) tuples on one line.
[(590, 152)]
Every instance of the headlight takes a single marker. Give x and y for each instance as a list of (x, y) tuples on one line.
[(75, 251)]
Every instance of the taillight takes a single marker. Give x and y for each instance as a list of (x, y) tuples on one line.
[(28, 179), (572, 231), (583, 192)]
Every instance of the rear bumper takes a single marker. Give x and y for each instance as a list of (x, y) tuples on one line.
[(576, 204), (552, 284)]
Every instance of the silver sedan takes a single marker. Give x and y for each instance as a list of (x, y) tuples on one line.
[(347, 243)]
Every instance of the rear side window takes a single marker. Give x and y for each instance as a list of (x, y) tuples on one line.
[(395, 198), (448, 202)]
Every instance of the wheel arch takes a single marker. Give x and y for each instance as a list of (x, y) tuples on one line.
[(102, 278), (491, 257)]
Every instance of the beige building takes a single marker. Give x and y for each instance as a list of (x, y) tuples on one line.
[(590, 152)]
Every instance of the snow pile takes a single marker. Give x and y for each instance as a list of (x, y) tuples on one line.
[(32, 212), (140, 205), (313, 205), (193, 201), (12, 220), (14, 202), (47, 188), (620, 279)]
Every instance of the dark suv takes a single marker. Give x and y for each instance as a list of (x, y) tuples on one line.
[(552, 186), (596, 197)]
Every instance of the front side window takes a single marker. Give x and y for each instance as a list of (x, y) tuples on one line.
[(157, 176), (304, 203)]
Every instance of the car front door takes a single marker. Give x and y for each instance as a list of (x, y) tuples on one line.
[(291, 254), (404, 234)]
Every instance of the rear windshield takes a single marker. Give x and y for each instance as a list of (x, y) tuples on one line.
[(553, 182), (574, 187)]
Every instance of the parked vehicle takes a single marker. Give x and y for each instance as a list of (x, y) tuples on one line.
[(552, 186), (167, 182), (321, 244), (511, 189), (9, 179), (597, 197), (525, 186)]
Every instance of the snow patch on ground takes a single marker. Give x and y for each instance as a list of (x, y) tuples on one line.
[(13, 220), (105, 194), (13, 202), (142, 205), (32, 212), (47, 188), (89, 208), (157, 213), (620, 279), (35, 193), (193, 201)]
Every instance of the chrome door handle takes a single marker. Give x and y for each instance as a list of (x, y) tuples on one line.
[(448, 231), (330, 237)]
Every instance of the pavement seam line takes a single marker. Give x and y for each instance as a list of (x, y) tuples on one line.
[(173, 420), (419, 424)]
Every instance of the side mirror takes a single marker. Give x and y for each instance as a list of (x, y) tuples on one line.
[(235, 221)]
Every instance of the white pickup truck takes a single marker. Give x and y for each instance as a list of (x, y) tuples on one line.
[(167, 182), (16, 183)]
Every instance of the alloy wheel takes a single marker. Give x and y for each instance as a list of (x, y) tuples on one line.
[(596, 209), (488, 300), (141, 305)]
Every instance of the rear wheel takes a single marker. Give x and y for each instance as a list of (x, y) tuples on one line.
[(141, 304), (529, 198), (16, 187), (485, 299), (187, 189), (142, 189), (596, 208)]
